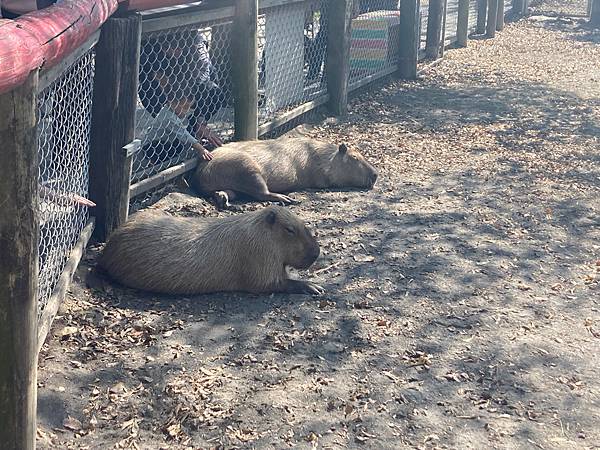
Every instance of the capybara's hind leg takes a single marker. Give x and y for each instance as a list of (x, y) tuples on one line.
[(257, 187), (222, 199)]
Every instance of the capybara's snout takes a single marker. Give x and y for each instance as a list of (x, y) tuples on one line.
[(372, 178), (312, 253)]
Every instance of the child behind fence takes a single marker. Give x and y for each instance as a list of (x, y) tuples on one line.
[(168, 137), (180, 57)]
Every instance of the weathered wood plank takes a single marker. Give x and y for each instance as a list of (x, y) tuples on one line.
[(113, 120), (462, 26), (337, 66), (245, 69), (19, 235), (434, 28), (409, 39), (492, 18)]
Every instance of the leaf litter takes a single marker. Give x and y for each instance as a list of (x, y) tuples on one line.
[(462, 291)]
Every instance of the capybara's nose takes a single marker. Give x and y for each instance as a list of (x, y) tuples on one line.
[(311, 256), (315, 253)]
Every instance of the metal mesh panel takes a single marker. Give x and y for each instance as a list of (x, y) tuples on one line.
[(184, 95), (424, 12), (473, 16), (451, 22), (507, 6), (375, 40), (292, 53), (64, 112)]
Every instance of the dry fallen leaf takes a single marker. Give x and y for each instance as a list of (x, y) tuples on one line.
[(71, 423), (364, 258), (68, 331), (118, 388), (348, 409)]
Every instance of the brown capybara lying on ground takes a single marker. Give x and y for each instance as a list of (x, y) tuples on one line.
[(246, 252), (264, 169)]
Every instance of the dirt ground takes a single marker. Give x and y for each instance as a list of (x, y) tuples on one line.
[(463, 292)]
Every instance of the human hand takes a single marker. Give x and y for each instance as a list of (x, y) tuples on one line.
[(206, 133), (204, 154)]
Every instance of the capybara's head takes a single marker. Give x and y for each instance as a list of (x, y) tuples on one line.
[(349, 168), (300, 248)]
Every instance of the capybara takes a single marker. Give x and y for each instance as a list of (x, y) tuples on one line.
[(246, 252), (265, 169)]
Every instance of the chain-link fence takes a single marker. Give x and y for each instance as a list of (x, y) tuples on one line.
[(185, 95), (292, 56), (450, 30), (423, 14), (473, 7), (375, 38), (64, 116)]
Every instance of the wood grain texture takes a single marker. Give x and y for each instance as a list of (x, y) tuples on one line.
[(19, 235)]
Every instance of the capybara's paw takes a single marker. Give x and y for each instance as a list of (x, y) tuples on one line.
[(303, 287), (221, 200), (314, 288), (285, 199)]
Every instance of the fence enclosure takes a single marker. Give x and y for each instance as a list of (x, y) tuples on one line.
[(87, 126)]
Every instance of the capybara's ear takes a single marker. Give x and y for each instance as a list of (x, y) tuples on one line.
[(343, 148), (271, 217)]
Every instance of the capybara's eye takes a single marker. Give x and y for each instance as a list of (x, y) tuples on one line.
[(290, 230)]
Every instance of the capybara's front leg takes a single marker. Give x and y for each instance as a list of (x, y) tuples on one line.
[(302, 287)]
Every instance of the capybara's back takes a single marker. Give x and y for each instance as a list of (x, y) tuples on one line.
[(173, 255), (256, 168)]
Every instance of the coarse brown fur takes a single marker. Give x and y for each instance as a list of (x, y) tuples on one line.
[(264, 169), (245, 252)]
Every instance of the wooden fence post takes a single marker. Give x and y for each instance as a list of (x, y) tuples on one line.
[(492, 18), (244, 41), (517, 8), (595, 13), (462, 27), (19, 235), (338, 54), (500, 16), (443, 36), (482, 6), (434, 28), (409, 39), (113, 120)]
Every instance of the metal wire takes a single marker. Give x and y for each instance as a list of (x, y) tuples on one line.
[(473, 6), (375, 39), (423, 14), (450, 33), (185, 75), (292, 53), (64, 112)]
